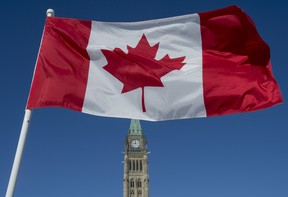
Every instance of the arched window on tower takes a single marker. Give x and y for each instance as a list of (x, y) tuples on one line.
[(137, 165), (141, 165), (139, 183), (130, 165), (133, 164), (131, 183)]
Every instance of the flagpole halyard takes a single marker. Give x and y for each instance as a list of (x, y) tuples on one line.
[(21, 143)]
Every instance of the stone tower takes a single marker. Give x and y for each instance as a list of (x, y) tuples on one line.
[(136, 178)]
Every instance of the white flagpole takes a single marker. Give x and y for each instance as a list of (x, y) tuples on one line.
[(21, 143), (18, 155)]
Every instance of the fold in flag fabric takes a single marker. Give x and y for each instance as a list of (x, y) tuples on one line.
[(197, 65)]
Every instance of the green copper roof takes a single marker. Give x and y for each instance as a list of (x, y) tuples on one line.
[(135, 127)]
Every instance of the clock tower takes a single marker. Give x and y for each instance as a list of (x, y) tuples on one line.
[(136, 178)]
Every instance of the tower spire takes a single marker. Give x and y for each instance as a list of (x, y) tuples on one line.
[(135, 128)]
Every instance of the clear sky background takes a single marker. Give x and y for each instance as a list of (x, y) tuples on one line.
[(77, 155)]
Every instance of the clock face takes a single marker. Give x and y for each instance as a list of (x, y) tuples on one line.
[(135, 143)]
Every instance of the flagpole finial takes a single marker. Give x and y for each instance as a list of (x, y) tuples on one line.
[(50, 12)]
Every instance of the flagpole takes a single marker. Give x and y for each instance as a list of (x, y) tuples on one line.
[(21, 142), (18, 155)]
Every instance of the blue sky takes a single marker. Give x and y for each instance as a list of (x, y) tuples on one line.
[(72, 154)]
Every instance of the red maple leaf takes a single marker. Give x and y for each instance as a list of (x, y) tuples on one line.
[(139, 68)]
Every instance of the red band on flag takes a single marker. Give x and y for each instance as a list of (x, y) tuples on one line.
[(236, 64), (61, 72)]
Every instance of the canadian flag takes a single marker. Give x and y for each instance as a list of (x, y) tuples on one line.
[(196, 65)]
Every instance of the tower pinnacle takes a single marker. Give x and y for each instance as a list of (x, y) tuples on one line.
[(135, 127)]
